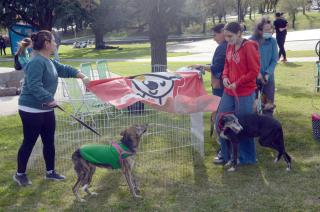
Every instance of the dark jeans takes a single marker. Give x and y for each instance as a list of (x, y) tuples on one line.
[(281, 40), (35, 124), (217, 91), (4, 50)]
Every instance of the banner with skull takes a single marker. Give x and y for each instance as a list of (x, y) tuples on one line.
[(179, 92)]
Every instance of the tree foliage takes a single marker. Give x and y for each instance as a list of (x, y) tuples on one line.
[(38, 13)]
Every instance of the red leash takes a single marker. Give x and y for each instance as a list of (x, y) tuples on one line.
[(121, 152)]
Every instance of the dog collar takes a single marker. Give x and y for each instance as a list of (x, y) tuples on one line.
[(219, 120), (121, 152)]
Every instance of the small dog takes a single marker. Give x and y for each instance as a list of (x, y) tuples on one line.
[(114, 156), (269, 131)]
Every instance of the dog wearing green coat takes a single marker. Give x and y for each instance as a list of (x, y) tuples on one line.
[(113, 156)]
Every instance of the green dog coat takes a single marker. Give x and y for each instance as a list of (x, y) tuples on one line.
[(100, 154)]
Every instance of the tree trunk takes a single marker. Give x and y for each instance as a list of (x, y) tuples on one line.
[(99, 39), (158, 34), (250, 13), (179, 28), (158, 54), (293, 20), (204, 28), (213, 20)]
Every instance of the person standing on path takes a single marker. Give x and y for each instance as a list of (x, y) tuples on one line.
[(281, 25), (3, 45)]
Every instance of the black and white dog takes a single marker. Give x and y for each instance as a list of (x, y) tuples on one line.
[(269, 131)]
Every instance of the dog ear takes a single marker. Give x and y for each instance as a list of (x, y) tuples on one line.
[(140, 129), (123, 133)]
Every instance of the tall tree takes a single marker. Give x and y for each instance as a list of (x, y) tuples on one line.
[(158, 14), (69, 13), (104, 16), (291, 7)]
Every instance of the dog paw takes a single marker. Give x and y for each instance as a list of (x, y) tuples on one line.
[(231, 169), (288, 169), (94, 193), (275, 160)]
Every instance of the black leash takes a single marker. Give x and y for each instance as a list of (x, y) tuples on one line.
[(78, 120)]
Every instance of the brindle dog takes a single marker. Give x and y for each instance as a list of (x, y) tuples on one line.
[(85, 169)]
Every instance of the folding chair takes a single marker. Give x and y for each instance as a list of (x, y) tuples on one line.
[(83, 103), (103, 70), (86, 69)]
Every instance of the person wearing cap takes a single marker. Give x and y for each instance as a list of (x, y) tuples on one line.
[(281, 25)]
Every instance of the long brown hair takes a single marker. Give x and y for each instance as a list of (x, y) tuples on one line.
[(39, 39), (259, 27), (23, 44)]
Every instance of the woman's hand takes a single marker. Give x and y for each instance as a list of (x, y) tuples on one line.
[(52, 104), (85, 80), (226, 82), (233, 86), (266, 78)]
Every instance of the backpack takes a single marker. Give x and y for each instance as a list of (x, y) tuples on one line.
[(17, 64)]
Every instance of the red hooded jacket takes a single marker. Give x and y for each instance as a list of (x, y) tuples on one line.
[(242, 68)]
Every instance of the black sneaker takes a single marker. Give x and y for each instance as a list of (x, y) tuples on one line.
[(22, 180), (54, 176)]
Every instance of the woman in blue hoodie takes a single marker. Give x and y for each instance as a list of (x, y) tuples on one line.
[(268, 60), (36, 104)]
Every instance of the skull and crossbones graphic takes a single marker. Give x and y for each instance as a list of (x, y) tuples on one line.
[(155, 86)]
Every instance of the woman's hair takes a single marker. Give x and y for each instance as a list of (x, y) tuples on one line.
[(23, 44), (218, 28), (233, 27), (39, 39), (259, 27)]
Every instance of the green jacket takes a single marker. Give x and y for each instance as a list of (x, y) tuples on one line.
[(100, 154), (41, 81)]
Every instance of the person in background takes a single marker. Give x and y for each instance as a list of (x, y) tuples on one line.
[(216, 68), (239, 76), (57, 38), (268, 60), (23, 53), (281, 25), (3, 45), (36, 104)]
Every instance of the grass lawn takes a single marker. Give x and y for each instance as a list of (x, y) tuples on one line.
[(128, 51), (261, 187), (301, 53), (309, 21)]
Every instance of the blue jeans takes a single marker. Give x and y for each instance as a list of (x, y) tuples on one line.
[(247, 148)]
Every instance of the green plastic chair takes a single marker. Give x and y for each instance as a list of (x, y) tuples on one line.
[(103, 70), (83, 103), (86, 69)]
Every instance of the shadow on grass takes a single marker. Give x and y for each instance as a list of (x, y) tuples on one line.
[(200, 171), (295, 92), (106, 186), (292, 64)]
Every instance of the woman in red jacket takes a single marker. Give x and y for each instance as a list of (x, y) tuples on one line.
[(239, 76)]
